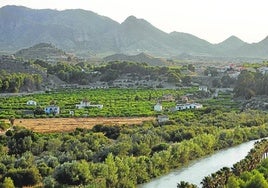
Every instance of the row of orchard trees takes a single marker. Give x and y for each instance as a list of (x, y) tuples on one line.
[(116, 102), (15, 82), (111, 156)]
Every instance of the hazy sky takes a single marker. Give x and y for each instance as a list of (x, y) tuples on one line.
[(212, 20)]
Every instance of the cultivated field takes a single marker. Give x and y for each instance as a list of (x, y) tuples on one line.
[(46, 125)]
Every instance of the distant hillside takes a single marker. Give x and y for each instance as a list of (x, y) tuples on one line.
[(137, 35), (10, 64), (230, 46), (232, 42), (43, 51), (86, 33), (259, 49), (140, 58), (72, 30), (186, 43)]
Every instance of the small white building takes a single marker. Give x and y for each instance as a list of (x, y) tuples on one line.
[(52, 109), (86, 103), (203, 88), (197, 105), (31, 103), (187, 106), (180, 107), (158, 107), (83, 104), (71, 113)]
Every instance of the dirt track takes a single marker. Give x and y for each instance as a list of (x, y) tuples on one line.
[(68, 124)]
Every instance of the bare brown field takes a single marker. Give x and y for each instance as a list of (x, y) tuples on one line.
[(48, 125)]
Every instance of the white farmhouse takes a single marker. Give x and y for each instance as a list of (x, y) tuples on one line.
[(180, 107), (187, 106), (52, 109), (84, 103), (203, 88), (31, 103), (197, 105), (158, 107)]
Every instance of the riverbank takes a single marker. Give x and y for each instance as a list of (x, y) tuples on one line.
[(198, 169)]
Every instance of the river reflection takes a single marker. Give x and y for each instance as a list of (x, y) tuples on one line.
[(197, 170)]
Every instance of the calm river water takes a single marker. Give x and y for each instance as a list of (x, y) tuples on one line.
[(197, 170)]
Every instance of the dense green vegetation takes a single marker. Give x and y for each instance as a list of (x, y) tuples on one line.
[(4, 125), (15, 82), (256, 65), (254, 178), (83, 73), (113, 156), (251, 83), (116, 102)]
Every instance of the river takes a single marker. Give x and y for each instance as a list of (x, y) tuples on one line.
[(198, 169)]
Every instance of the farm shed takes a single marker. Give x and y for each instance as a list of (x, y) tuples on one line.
[(52, 109), (31, 103)]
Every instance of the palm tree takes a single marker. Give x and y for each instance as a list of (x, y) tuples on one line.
[(208, 182), (184, 184)]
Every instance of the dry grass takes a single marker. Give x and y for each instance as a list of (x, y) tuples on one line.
[(48, 125)]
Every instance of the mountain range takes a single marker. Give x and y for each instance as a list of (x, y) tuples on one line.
[(86, 33)]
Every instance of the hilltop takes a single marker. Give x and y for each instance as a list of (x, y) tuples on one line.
[(44, 51), (139, 58)]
